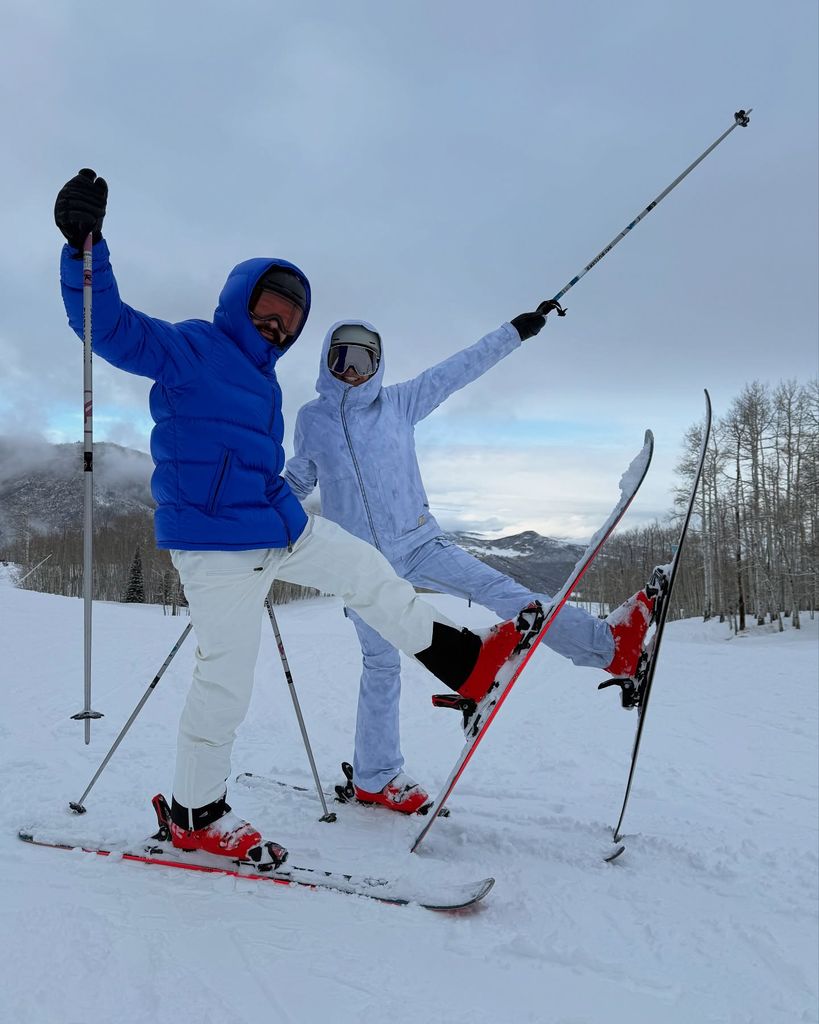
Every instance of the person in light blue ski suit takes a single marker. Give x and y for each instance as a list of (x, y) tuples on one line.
[(357, 442)]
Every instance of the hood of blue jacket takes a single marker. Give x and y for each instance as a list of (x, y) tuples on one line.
[(232, 317)]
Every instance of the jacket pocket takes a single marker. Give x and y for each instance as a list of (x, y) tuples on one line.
[(218, 485)]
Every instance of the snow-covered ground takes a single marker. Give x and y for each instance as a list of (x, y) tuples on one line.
[(709, 916)]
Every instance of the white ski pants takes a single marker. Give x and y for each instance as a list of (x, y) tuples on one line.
[(226, 591)]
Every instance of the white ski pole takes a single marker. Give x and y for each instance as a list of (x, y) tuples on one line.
[(741, 120), (88, 474)]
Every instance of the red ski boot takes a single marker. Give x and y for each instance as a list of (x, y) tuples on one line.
[(498, 645), (403, 794), (629, 624), (227, 836)]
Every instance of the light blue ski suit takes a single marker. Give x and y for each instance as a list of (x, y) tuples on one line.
[(358, 444)]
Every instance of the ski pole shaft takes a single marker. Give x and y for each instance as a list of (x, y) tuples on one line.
[(36, 567), (741, 120), (78, 805), (291, 686), (88, 474)]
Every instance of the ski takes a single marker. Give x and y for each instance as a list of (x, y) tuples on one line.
[(434, 896), (635, 692), (478, 718), (344, 792)]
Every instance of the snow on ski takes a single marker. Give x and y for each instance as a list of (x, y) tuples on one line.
[(432, 896), (485, 712), (648, 663)]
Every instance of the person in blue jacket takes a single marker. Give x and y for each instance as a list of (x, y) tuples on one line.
[(357, 442), (230, 521)]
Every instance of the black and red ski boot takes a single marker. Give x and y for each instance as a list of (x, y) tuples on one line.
[(225, 836)]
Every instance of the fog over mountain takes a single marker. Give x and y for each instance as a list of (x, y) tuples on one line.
[(42, 486)]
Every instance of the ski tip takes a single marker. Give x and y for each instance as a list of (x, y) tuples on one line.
[(470, 895), (609, 858)]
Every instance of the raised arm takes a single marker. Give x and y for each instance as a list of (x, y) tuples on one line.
[(419, 396), (122, 335)]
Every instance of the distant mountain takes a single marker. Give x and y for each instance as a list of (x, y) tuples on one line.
[(536, 562), (42, 488), (42, 491)]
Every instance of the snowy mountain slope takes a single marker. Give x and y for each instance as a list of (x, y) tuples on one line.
[(710, 916), (42, 486), (540, 563)]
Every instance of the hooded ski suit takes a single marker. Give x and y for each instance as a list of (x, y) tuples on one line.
[(230, 520), (358, 444)]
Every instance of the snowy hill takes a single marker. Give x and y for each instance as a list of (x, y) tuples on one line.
[(709, 916)]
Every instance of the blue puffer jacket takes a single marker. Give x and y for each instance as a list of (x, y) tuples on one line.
[(217, 443), (359, 444)]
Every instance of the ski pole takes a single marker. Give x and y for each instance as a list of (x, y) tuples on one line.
[(36, 567), (291, 686), (741, 120), (88, 473), (78, 805)]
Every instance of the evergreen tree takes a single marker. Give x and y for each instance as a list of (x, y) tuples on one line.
[(135, 591)]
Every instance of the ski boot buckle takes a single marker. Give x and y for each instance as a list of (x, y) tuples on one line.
[(345, 794), (163, 817), (529, 623)]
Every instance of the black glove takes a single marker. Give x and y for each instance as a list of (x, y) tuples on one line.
[(528, 324), (80, 207)]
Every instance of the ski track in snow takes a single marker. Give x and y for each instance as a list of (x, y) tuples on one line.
[(709, 916)]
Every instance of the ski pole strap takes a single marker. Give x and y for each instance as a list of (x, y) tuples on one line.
[(551, 304)]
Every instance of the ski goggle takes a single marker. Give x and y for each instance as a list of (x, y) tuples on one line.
[(273, 309), (356, 347)]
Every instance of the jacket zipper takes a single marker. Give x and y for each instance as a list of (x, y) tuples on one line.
[(222, 471), (357, 470)]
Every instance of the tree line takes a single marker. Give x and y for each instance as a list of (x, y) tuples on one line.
[(127, 565), (752, 550)]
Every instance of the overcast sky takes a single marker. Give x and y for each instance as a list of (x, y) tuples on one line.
[(435, 168)]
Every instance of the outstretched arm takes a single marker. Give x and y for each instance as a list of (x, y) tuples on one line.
[(419, 396)]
